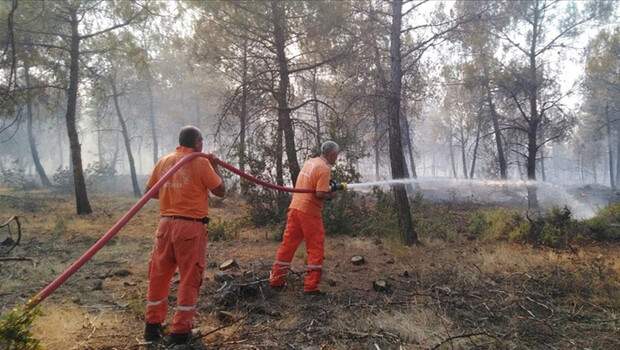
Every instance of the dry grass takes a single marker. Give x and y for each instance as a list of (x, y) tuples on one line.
[(440, 289)]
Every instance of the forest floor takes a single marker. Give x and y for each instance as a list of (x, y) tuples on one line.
[(456, 293)]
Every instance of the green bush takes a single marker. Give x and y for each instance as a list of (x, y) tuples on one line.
[(338, 214), (497, 224), (605, 226), (223, 230), (15, 330)]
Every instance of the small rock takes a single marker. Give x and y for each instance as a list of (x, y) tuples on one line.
[(122, 273), (380, 286), (225, 317), (130, 283), (228, 264), (212, 265), (390, 261), (357, 260), (98, 285), (405, 274), (222, 277)]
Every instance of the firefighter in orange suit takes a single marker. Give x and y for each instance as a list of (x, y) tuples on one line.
[(181, 237), (305, 222)]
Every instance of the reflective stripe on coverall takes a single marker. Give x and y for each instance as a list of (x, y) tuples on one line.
[(300, 226), (179, 243)]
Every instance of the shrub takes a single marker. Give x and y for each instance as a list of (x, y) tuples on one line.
[(15, 331), (499, 224), (345, 214), (605, 226), (266, 207), (16, 178), (63, 178), (553, 229), (223, 230), (378, 216)]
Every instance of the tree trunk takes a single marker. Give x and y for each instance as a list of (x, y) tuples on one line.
[(463, 149), (408, 143), (152, 120), (542, 164), (610, 154), (125, 132), (452, 160), (281, 197), (100, 154), (475, 153), (284, 112), (61, 155), (278, 155), (414, 173), (114, 159), (379, 105), (243, 116), (409, 236), (532, 142), (501, 158), (532, 194), (317, 117), (81, 196), (31, 139), (377, 143), (617, 181)]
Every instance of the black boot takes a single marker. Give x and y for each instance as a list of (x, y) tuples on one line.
[(178, 338), (153, 332)]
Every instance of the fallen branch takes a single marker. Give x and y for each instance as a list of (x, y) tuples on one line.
[(450, 339), (200, 336), (16, 258)]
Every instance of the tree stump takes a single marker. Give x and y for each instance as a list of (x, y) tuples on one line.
[(228, 264), (357, 260)]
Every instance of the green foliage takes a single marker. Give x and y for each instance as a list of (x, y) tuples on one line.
[(341, 215), (555, 229), (16, 178), (15, 330), (605, 226), (60, 227), (63, 178), (266, 207), (353, 213), (100, 169), (223, 230), (497, 224)]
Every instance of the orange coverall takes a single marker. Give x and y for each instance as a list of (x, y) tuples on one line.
[(180, 241), (304, 222)]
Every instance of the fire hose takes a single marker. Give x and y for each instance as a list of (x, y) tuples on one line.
[(76, 265)]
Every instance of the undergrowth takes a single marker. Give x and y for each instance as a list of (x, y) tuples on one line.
[(15, 329), (555, 228)]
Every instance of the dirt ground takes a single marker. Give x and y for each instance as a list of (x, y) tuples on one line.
[(456, 294)]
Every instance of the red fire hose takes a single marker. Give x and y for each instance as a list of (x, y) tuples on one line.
[(62, 278)]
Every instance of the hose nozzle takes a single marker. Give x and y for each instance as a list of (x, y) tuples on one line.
[(337, 186)]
